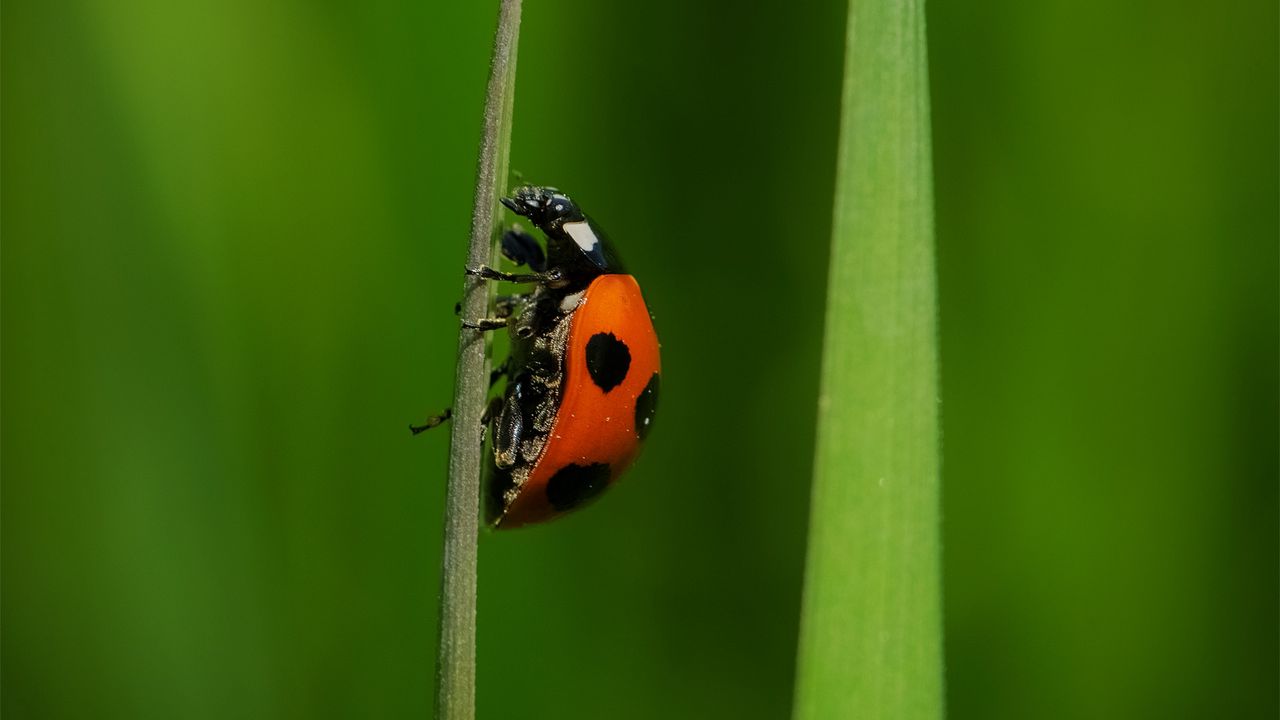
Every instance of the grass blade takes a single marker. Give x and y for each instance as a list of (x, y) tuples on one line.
[(456, 655), (871, 630)]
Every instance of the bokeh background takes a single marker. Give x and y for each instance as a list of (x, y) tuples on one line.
[(232, 237)]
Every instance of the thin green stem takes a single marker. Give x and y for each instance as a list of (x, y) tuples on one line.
[(456, 656), (871, 630)]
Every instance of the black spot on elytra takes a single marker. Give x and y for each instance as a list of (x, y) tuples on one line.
[(574, 485), (608, 360), (646, 406)]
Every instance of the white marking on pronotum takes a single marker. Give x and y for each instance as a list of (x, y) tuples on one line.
[(582, 234), (571, 301)]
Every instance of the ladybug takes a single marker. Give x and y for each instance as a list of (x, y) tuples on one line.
[(583, 371)]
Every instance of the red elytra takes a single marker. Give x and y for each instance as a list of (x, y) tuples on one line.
[(593, 426)]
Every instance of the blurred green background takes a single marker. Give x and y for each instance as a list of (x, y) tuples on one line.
[(232, 237)]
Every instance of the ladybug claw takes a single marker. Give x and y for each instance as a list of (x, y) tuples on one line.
[(483, 272), (484, 324), (433, 421)]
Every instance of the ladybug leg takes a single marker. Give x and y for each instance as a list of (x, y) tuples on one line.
[(488, 273), (503, 305), (498, 372), (508, 425), (491, 410), (433, 421), (522, 249), (506, 305), (486, 324), (503, 308), (525, 326), (528, 323)]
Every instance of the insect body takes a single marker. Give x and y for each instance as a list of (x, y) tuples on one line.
[(583, 372)]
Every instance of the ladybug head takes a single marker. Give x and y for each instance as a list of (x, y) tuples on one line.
[(546, 207), (575, 244)]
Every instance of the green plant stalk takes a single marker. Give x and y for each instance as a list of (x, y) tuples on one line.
[(456, 655), (871, 625)]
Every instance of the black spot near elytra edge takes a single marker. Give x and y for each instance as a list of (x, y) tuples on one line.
[(646, 406), (608, 360), (574, 485)]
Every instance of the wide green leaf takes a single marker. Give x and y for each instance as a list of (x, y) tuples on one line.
[(871, 634)]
